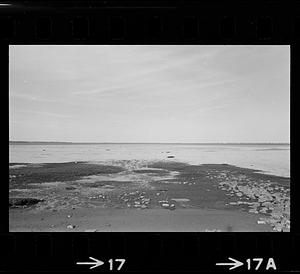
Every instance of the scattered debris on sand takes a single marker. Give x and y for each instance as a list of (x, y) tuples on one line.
[(260, 196), (135, 199)]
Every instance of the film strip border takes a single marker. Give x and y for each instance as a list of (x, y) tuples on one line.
[(239, 23), (159, 24), (146, 251)]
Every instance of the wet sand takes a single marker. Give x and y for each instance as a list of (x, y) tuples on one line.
[(135, 220), (146, 196)]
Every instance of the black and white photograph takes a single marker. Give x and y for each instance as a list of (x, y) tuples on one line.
[(149, 138)]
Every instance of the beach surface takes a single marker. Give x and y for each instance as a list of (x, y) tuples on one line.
[(134, 220), (135, 195)]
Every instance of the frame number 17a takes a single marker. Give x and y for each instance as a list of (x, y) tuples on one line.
[(252, 264)]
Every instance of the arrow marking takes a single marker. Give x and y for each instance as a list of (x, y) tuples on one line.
[(96, 263), (235, 263)]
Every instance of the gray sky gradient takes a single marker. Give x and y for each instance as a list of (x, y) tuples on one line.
[(149, 93)]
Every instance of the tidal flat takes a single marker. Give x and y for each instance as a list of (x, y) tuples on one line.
[(136, 195)]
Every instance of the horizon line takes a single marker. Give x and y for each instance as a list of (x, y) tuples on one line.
[(69, 142)]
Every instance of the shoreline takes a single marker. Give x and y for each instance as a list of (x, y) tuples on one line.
[(272, 159), (206, 196)]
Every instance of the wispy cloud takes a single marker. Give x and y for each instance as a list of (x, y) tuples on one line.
[(100, 90), (31, 98), (51, 114)]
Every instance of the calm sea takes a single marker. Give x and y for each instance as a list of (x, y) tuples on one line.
[(272, 159)]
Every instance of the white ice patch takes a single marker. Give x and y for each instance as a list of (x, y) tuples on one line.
[(180, 199)]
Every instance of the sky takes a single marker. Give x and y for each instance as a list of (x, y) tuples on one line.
[(178, 93)]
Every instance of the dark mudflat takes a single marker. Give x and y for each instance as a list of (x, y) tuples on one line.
[(20, 202), (51, 172)]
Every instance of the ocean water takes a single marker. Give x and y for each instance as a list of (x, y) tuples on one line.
[(271, 159)]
